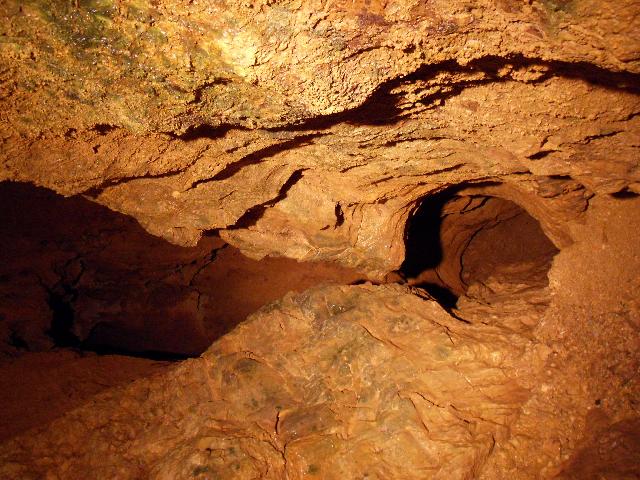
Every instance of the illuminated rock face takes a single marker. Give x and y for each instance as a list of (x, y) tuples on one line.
[(312, 130), (342, 382), (483, 155)]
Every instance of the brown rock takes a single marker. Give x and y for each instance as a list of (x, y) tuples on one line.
[(483, 153)]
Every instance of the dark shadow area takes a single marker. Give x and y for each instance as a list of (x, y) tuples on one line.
[(253, 215), (455, 240), (382, 107), (625, 194), (441, 294), (424, 249), (423, 246), (76, 275), (62, 320)]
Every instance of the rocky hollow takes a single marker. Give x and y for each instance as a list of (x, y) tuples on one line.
[(338, 240)]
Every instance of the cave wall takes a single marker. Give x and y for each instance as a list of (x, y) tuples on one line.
[(318, 131), (75, 274), (182, 122), (380, 381)]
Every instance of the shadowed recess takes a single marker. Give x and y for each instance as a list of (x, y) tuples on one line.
[(74, 274), (454, 241)]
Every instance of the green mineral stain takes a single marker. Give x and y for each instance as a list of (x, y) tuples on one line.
[(200, 469), (104, 8), (556, 13), (565, 6), (128, 48), (140, 11), (84, 25)]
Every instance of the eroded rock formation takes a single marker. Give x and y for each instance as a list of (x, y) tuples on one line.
[(76, 274), (484, 154)]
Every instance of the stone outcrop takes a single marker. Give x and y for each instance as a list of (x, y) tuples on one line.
[(380, 381), (312, 131), (346, 382)]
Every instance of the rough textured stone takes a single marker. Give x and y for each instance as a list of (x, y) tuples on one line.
[(75, 274), (428, 97), (36, 388), (320, 131), (334, 383), (381, 381)]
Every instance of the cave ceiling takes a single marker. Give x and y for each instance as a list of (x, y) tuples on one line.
[(312, 129)]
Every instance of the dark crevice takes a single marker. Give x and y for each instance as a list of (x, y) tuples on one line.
[(17, 342), (251, 216), (422, 237), (423, 228), (339, 215), (103, 128), (441, 294), (205, 131), (62, 318), (60, 299), (382, 107), (255, 158), (625, 194), (88, 279), (540, 155), (208, 261)]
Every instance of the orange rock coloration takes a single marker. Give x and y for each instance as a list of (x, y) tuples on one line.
[(466, 175)]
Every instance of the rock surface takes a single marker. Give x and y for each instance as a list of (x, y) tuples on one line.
[(311, 131), (326, 131), (344, 382), (36, 388), (75, 274), (381, 382)]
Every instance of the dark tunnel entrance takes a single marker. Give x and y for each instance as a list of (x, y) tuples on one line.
[(456, 240)]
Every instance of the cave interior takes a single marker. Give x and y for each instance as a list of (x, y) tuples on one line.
[(320, 240)]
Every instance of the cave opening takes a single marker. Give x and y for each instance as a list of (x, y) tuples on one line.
[(462, 241)]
